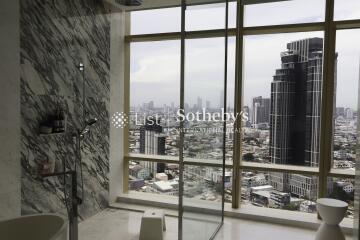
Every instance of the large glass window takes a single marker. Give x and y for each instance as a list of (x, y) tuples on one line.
[(156, 21), (284, 12), (279, 190), (346, 99), (144, 178), (205, 183), (204, 97), (342, 189), (198, 17), (209, 16), (347, 9), (154, 98), (282, 92), (282, 87)]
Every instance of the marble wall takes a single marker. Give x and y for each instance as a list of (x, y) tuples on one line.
[(10, 110), (55, 37)]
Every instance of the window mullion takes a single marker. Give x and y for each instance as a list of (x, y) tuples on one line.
[(126, 103), (327, 99), (236, 186), (182, 106)]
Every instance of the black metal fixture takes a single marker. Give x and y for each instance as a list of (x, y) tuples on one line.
[(129, 2), (75, 201)]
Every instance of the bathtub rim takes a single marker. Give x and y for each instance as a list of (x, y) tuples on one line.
[(64, 226)]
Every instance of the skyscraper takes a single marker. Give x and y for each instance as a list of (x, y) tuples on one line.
[(246, 112), (151, 105), (340, 111), (349, 113), (295, 111), (207, 105), (260, 110), (296, 104), (221, 102), (199, 104), (152, 142)]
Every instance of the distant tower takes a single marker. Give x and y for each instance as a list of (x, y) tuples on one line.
[(208, 105), (261, 110), (246, 112), (340, 112), (295, 114), (349, 113), (296, 104), (151, 105), (221, 102), (199, 104), (152, 142)]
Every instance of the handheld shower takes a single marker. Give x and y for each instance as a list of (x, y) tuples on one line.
[(87, 126), (92, 121)]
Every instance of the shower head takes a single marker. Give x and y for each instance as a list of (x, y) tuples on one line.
[(89, 123)]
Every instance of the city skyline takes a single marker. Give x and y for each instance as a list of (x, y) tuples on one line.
[(284, 120), (212, 106), (155, 66), (291, 113)]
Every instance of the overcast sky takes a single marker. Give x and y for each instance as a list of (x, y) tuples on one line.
[(155, 66)]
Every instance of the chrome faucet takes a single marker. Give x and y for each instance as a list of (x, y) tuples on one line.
[(73, 213)]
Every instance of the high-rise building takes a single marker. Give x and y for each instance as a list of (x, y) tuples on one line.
[(221, 102), (303, 186), (349, 113), (151, 105), (199, 104), (208, 105), (152, 142), (295, 113), (340, 111), (246, 112), (296, 104), (260, 110)]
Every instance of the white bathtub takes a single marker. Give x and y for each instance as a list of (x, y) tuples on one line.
[(35, 227)]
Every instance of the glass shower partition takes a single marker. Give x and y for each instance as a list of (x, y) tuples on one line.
[(203, 101)]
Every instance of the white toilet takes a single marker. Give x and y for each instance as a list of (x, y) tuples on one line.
[(332, 212)]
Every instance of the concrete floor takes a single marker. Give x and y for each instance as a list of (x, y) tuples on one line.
[(113, 224)]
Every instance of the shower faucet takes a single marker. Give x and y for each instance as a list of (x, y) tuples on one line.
[(73, 213)]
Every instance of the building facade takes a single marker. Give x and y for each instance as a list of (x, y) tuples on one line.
[(295, 115), (261, 110), (152, 142)]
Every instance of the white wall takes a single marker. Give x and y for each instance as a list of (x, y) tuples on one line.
[(10, 187), (116, 103)]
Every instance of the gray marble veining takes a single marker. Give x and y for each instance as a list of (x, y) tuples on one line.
[(55, 37)]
